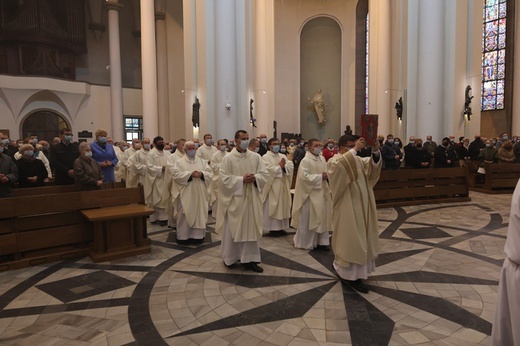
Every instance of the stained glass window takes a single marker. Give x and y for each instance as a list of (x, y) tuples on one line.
[(366, 65), (494, 54)]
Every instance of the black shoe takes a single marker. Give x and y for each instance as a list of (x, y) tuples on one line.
[(282, 232), (154, 222), (229, 265), (254, 267), (358, 285), (183, 242), (163, 223), (197, 241), (322, 248)]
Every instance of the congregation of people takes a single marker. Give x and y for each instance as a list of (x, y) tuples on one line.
[(251, 186)]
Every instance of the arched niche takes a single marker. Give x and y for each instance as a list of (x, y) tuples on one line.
[(44, 123), (320, 68)]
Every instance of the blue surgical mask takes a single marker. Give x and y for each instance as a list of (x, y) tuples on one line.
[(257, 149), (36, 153), (317, 151), (102, 139), (283, 150), (5, 141), (68, 138), (209, 141), (223, 148), (263, 140), (196, 145), (276, 149), (29, 153), (244, 143), (191, 153)]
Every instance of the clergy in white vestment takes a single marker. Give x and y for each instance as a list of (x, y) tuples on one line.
[(354, 214), (239, 217), (120, 168), (207, 149), (134, 148), (155, 187), (190, 195), (277, 191), (506, 328), (312, 204), (168, 178), (138, 165), (215, 161)]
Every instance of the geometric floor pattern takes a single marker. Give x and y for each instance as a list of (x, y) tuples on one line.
[(435, 284)]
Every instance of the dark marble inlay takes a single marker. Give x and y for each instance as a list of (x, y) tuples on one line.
[(425, 232), (423, 276), (495, 222), (84, 286), (253, 280), (390, 257), (367, 324), (283, 309), (56, 308), (275, 260), (113, 267), (437, 306)]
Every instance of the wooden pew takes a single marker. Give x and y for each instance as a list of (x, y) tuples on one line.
[(421, 186), (499, 178), (53, 226), (50, 189)]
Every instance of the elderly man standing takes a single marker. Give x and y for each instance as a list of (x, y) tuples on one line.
[(155, 186), (354, 215), (138, 164), (190, 195), (277, 191), (311, 214), (254, 145), (507, 313), (239, 217), (8, 172), (128, 153), (207, 149)]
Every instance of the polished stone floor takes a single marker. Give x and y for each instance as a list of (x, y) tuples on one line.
[(435, 284)]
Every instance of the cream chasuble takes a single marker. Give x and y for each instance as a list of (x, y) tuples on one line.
[(192, 194), (277, 190), (309, 184), (241, 204), (155, 187), (354, 215)]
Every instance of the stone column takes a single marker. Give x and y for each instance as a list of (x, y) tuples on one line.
[(429, 110), (116, 88), (149, 69), (162, 70)]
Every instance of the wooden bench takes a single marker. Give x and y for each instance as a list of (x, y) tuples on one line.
[(49, 227), (50, 189), (421, 186), (499, 178)]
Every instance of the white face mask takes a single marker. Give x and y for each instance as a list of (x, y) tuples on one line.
[(88, 154), (223, 148), (244, 143), (191, 152), (317, 151), (146, 146)]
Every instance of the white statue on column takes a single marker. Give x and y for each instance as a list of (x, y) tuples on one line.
[(319, 106)]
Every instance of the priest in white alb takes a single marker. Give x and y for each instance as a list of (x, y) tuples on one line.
[(506, 327), (239, 217), (155, 187), (138, 165), (312, 204), (215, 161), (168, 178), (277, 191), (354, 214), (207, 149), (134, 148), (190, 195)]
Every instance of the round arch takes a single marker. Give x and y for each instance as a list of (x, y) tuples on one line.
[(44, 123)]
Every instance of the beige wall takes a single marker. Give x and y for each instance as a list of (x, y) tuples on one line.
[(289, 19)]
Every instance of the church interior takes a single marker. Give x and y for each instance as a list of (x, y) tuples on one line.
[(136, 68)]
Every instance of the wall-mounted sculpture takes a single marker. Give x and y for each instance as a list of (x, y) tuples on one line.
[(467, 108), (319, 106)]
